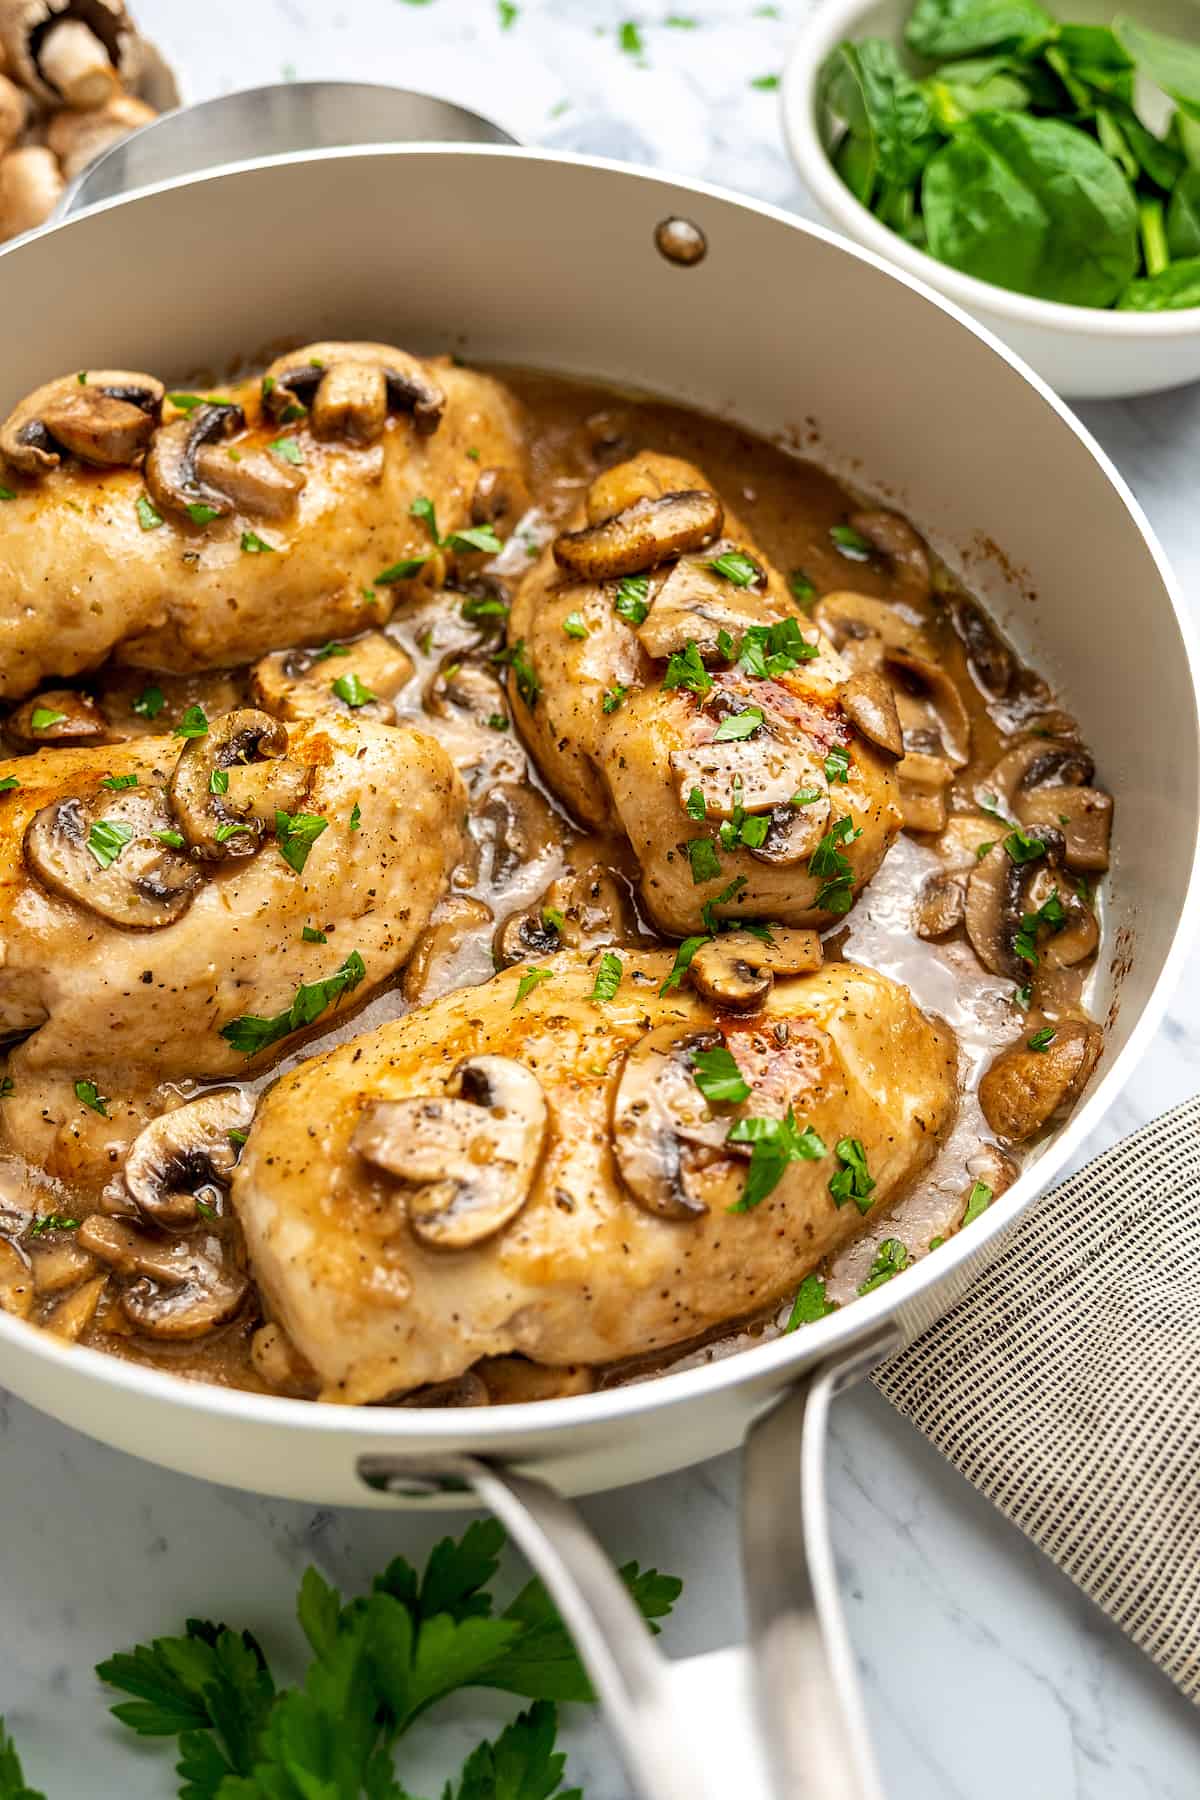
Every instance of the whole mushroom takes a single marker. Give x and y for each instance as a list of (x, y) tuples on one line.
[(77, 52)]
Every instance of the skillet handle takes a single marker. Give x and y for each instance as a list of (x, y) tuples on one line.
[(801, 1726)]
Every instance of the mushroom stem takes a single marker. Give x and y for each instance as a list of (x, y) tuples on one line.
[(74, 61), (30, 185)]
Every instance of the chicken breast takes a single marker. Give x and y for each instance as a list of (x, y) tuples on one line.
[(521, 1167), (147, 937), (272, 529), (687, 704)]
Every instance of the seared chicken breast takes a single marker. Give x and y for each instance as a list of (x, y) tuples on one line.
[(280, 513), (666, 685), (526, 1167)]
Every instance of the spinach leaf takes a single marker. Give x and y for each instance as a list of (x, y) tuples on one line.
[(1160, 163), (867, 85), (941, 28), (1178, 286), (1183, 134), (1034, 205), (1096, 57), (1183, 216), (952, 101), (1170, 62), (857, 162), (1114, 143)]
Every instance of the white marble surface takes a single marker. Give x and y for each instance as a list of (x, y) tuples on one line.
[(986, 1674)]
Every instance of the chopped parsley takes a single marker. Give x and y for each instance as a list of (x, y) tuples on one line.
[(477, 607), (252, 1033), (8, 1087), (801, 588), (202, 514), (254, 545), (1022, 847), (630, 39), (837, 766), (310, 935), (1022, 996), (8, 783), (981, 850), (43, 717), (737, 567), (193, 724), (613, 697), (330, 649), (770, 650), (978, 1201), (289, 449), (497, 721), (149, 517), (349, 688), (106, 840), (553, 919), (1042, 1040), (706, 864), (189, 402), (529, 980), (234, 828), (525, 675), (475, 537), (1053, 915), (7, 493), (990, 804), (574, 625), (218, 781), (149, 702), (117, 782), (738, 725), (810, 1303), (852, 1180), (632, 601), (608, 977), (682, 963), (172, 839), (53, 1222), (90, 1095), (851, 543), (296, 833), (404, 570), (726, 897), (829, 866), (696, 808), (718, 1077), (685, 669), (766, 84), (890, 1258), (355, 817), (508, 17), (774, 1144), (806, 797)]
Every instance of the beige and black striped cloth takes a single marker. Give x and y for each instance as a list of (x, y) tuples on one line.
[(1066, 1385)]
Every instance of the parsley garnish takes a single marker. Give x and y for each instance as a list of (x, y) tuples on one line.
[(851, 543), (978, 1201), (117, 782), (7, 493), (766, 84), (706, 864), (631, 603), (477, 607), (401, 571), (737, 567), (218, 781), (890, 1258), (852, 1181), (189, 402), (149, 517), (682, 963), (173, 839), (806, 797), (738, 725), (828, 865), (252, 1033), (200, 513), (508, 17), (253, 545), (232, 829), (529, 980), (41, 1225), (289, 449), (1042, 1040), (1052, 914), (296, 834), (727, 895), (149, 702), (696, 808), (90, 1095), (685, 669), (349, 688), (43, 717), (770, 650), (106, 840), (774, 1144), (1022, 847), (355, 817), (574, 625), (8, 1087), (310, 935), (837, 766), (497, 721), (801, 587), (524, 673), (608, 977), (810, 1303), (330, 649), (718, 1077), (193, 724), (8, 783), (1022, 996), (981, 850), (630, 39), (613, 697), (475, 537)]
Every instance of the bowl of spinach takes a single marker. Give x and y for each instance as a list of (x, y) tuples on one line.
[(1042, 172)]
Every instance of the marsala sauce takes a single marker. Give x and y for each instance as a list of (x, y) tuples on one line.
[(521, 841)]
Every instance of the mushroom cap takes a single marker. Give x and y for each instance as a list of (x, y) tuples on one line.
[(299, 684), (348, 389), (31, 185), (501, 497), (869, 703), (862, 626), (940, 904), (991, 661), (172, 477), (185, 1288), (895, 539), (735, 970), (467, 1157), (932, 712), (645, 534), (256, 482), (102, 416), (179, 1155), (661, 1122), (1022, 1089), (250, 749), (77, 720), (77, 138), (146, 884), (26, 29)]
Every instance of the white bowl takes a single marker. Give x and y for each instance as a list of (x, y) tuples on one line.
[(1085, 352)]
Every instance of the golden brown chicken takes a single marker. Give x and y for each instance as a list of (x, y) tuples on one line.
[(665, 684), (530, 1167), (189, 532)]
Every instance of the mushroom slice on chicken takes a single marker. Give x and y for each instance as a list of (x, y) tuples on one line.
[(102, 416), (695, 606), (736, 969), (348, 389), (641, 537), (230, 783), (180, 1157), (173, 476), (303, 684), (57, 716), (115, 855), (610, 1253), (467, 1157)]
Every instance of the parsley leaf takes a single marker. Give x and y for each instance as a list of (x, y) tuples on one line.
[(770, 650), (41, 1227), (251, 1032), (837, 766), (682, 963), (200, 513), (330, 649), (524, 673), (475, 537), (718, 1077), (90, 1095), (296, 834), (106, 840), (117, 782), (149, 517), (349, 688), (851, 543), (726, 897), (706, 864), (1023, 847), (802, 589), (1042, 1040), (738, 725), (890, 1258), (613, 697), (810, 1303), (1052, 914), (289, 449), (43, 717), (978, 1201), (529, 980), (631, 603), (193, 724), (310, 935), (254, 545), (404, 570), (12, 1777), (853, 1180), (829, 866), (737, 567), (8, 784), (685, 669), (149, 703), (574, 625), (608, 977), (774, 1144), (696, 808)]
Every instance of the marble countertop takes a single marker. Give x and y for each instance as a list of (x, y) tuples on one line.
[(985, 1673)]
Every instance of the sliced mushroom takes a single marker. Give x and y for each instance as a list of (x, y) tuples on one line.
[(862, 627), (795, 831), (500, 498), (967, 836), (923, 784), (104, 416), (514, 826), (184, 1292), (250, 750), (989, 1164), (348, 389), (661, 1126), (757, 774), (641, 537), (466, 687), (1084, 815), (580, 911), (172, 476), (76, 1311), (147, 883), (869, 703), (299, 684), (59, 1263), (695, 605), (904, 550), (17, 1291), (618, 488), (76, 719), (256, 482), (1001, 893), (1024, 1088), (186, 1155), (1034, 762), (933, 715), (466, 1389), (467, 1158), (940, 904), (992, 662), (736, 970)]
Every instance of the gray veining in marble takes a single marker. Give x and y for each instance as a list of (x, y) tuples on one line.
[(986, 1674)]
